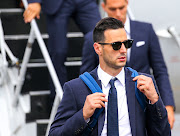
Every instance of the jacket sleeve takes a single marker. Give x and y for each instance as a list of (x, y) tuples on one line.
[(160, 71), (156, 118), (69, 119), (157, 121)]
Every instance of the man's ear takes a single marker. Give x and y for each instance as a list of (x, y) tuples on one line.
[(127, 1), (97, 48)]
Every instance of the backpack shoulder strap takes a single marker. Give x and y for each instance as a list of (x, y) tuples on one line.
[(139, 95), (90, 82), (94, 87)]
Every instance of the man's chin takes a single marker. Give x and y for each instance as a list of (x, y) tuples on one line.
[(119, 66), (119, 19)]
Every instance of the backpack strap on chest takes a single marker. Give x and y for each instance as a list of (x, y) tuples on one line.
[(139, 95)]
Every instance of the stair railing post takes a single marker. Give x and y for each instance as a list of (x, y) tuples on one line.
[(58, 88), (2, 44), (4, 63), (23, 69)]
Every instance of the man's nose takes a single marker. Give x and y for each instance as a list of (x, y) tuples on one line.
[(118, 12), (123, 49)]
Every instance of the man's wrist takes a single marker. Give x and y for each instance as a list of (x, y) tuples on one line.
[(154, 100)]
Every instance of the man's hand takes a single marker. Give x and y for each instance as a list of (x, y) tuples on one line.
[(146, 86), (170, 112), (32, 11), (93, 101)]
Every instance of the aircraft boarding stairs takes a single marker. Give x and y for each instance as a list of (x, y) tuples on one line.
[(24, 70)]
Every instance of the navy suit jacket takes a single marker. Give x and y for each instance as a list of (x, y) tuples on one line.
[(48, 6), (69, 119), (143, 57)]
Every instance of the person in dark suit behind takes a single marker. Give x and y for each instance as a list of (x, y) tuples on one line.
[(58, 12), (79, 104), (144, 55)]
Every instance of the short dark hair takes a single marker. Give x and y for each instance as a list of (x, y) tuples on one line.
[(105, 1), (103, 25)]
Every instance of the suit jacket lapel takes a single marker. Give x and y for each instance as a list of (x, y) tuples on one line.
[(102, 116), (130, 93)]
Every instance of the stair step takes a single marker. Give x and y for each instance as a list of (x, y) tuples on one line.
[(13, 23), (41, 127), (71, 63), (5, 11), (18, 48), (10, 4), (73, 72), (39, 106), (36, 79), (44, 36)]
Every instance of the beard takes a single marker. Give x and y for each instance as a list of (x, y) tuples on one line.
[(114, 63)]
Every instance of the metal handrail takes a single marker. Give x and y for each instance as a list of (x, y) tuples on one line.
[(2, 44), (5, 51), (20, 79), (58, 88), (34, 33), (4, 63)]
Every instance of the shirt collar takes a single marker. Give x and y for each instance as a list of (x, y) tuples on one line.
[(105, 77), (127, 25)]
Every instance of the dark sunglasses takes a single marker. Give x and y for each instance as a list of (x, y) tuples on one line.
[(117, 45)]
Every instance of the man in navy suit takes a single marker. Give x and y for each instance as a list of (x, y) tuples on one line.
[(144, 55), (79, 104), (58, 12)]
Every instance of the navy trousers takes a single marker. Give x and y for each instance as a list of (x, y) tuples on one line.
[(86, 15)]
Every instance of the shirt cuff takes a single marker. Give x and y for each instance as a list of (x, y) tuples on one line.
[(87, 120)]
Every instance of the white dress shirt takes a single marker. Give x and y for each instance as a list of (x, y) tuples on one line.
[(123, 115), (128, 32)]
